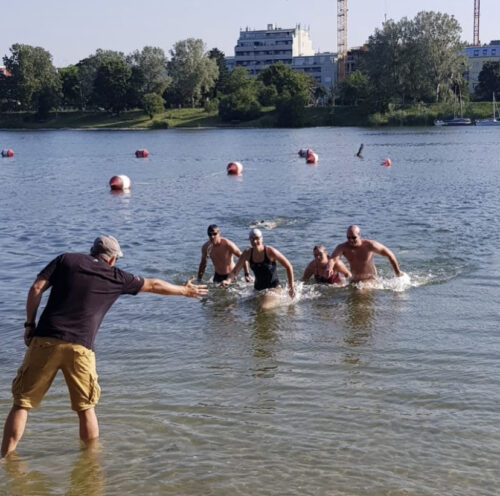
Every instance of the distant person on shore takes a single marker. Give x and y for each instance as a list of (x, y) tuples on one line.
[(359, 253), (221, 251), (83, 289), (262, 260), (319, 267)]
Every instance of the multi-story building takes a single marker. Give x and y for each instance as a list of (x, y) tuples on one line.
[(258, 49), (477, 56)]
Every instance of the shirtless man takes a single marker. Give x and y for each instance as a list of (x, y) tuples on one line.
[(221, 251), (359, 253)]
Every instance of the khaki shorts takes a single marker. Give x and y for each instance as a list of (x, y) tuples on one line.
[(45, 356)]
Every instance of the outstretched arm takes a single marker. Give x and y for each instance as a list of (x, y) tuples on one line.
[(385, 252), (159, 286), (32, 303)]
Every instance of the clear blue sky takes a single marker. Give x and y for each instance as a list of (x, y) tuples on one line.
[(71, 30)]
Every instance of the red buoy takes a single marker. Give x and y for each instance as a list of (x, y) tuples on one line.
[(120, 183), (387, 162), (234, 169), (8, 153), (311, 157), (141, 153)]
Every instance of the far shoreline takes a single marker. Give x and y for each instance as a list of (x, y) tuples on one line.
[(418, 115)]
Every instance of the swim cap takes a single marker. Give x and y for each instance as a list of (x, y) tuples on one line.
[(255, 233)]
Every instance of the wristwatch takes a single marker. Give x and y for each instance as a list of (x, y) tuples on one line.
[(29, 324)]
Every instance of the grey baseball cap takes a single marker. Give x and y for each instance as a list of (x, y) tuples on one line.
[(108, 245)]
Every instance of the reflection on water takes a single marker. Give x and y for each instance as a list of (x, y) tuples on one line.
[(265, 333), (360, 314), (86, 477)]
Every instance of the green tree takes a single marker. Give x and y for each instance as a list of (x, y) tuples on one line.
[(436, 44), (384, 64), (34, 77), (153, 104), (152, 63), (241, 102), (354, 90), (8, 94), (489, 81), (220, 59), (193, 73), (87, 71), (111, 85), (413, 60), (70, 86), (294, 92)]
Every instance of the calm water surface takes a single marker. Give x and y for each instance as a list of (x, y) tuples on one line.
[(394, 391)]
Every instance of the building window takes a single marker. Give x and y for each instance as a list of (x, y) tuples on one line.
[(493, 51), (476, 53), (485, 51)]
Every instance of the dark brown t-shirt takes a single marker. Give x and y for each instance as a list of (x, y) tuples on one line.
[(83, 289)]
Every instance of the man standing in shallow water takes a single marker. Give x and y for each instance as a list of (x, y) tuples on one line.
[(221, 251), (83, 288), (359, 253)]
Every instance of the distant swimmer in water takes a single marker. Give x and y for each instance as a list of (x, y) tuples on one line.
[(266, 224), (359, 253), (319, 268), (360, 151), (221, 251), (262, 260)]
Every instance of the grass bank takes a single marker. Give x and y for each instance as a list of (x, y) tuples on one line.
[(411, 115)]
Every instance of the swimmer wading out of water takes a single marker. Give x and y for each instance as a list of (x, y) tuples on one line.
[(262, 260), (221, 251), (359, 253)]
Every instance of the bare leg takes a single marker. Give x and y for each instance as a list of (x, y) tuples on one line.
[(14, 429), (89, 427)]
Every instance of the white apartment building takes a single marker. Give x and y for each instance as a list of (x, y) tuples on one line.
[(258, 49), (477, 56)]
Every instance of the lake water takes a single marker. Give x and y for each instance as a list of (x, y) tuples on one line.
[(393, 391)]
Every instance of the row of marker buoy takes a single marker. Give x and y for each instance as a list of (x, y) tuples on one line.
[(121, 182), (8, 153), (309, 155)]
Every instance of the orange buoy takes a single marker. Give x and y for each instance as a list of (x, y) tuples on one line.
[(311, 157), (387, 162), (8, 153), (120, 183), (234, 169), (141, 153)]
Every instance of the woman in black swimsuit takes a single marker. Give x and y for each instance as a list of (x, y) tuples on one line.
[(319, 268), (262, 260)]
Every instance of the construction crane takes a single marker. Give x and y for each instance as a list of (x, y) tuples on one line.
[(342, 39), (476, 23)]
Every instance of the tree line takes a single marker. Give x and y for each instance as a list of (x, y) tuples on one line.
[(410, 61)]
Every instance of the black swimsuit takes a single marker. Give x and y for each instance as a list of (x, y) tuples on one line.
[(220, 277), (265, 273)]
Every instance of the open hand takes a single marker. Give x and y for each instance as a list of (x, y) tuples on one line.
[(195, 290)]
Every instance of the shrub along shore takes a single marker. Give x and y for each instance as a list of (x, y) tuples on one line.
[(411, 115)]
